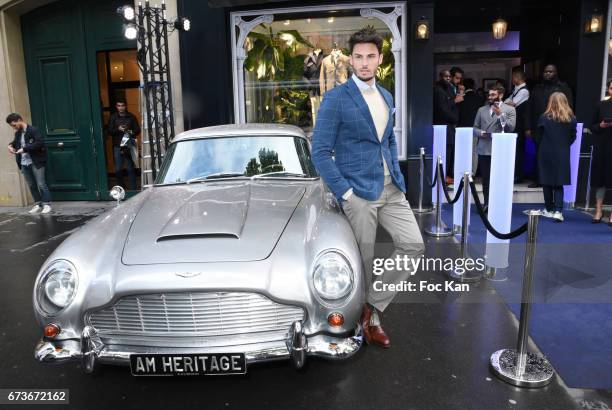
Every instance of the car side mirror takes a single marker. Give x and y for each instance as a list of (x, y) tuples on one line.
[(117, 193)]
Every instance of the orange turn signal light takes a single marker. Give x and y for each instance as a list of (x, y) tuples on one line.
[(52, 330), (335, 319)]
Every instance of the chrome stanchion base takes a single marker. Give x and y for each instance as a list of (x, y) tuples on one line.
[(465, 276), (538, 371), (492, 275), (438, 232), (584, 208)]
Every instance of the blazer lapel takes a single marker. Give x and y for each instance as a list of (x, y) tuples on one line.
[(389, 100), (362, 105)]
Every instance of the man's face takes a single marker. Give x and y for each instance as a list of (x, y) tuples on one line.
[(445, 75), (17, 125), (120, 107), (610, 90), (457, 78), (516, 80), (550, 73), (493, 96), (365, 59)]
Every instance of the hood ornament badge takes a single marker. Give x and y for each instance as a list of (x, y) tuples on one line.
[(188, 274)]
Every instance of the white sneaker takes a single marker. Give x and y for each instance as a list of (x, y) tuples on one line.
[(46, 209), (558, 216), (34, 209), (547, 214)]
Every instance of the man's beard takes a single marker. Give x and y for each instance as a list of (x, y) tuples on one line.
[(365, 80)]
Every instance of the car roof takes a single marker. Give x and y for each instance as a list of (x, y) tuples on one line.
[(240, 130)]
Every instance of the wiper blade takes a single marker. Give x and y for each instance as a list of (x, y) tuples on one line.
[(215, 175), (280, 173)]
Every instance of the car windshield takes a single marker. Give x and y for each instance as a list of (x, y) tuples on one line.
[(236, 157)]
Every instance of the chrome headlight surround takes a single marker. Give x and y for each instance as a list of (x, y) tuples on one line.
[(332, 277), (56, 287)]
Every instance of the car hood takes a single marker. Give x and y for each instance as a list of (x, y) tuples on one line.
[(222, 221)]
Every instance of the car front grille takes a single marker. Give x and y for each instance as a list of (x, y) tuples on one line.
[(193, 314)]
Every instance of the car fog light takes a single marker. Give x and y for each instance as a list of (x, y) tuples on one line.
[(52, 330), (335, 319)]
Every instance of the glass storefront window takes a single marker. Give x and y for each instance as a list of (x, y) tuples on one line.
[(285, 60), (291, 63)]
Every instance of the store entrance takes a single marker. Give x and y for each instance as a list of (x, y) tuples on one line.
[(118, 79)]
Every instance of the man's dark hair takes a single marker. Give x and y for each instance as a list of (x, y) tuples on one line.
[(469, 83), (13, 117), (520, 74), (366, 35), (499, 88), (455, 70), (120, 101)]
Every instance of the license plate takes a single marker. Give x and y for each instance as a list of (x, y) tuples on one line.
[(187, 364)]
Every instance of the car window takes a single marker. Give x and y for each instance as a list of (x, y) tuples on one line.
[(239, 156)]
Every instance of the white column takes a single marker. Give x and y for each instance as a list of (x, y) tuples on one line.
[(500, 198), (569, 191), (439, 149), (463, 163)]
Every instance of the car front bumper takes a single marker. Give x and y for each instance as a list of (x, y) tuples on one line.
[(90, 350)]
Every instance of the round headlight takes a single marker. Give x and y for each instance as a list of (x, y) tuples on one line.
[(332, 276), (57, 286)]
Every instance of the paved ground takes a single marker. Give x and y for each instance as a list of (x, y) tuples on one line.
[(439, 357)]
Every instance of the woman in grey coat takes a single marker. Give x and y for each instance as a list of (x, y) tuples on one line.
[(557, 132)]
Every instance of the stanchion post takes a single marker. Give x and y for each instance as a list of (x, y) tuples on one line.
[(462, 274), (587, 201), (438, 229), (420, 209), (520, 367)]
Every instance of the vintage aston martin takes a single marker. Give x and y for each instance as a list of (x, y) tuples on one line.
[(237, 254)]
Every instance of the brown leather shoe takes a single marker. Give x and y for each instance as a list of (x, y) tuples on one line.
[(366, 314), (379, 337)]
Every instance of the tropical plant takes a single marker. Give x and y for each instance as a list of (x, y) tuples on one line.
[(272, 58), (386, 71)]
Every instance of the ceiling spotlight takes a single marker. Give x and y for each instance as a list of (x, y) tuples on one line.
[(182, 24), (287, 22), (130, 31), (127, 12), (330, 20), (308, 20)]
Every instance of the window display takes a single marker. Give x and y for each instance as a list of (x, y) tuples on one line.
[(286, 60)]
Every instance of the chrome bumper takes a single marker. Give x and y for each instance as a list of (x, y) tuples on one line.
[(90, 350)]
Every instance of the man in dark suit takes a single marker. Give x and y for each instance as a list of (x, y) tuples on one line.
[(355, 122), (30, 152), (470, 105), (519, 99), (539, 101), (446, 113)]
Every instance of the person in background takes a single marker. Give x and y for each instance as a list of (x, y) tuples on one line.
[(556, 133), (601, 171), (456, 87), (488, 121), (519, 99), (538, 102), (446, 111), (30, 152), (123, 123), (467, 113)]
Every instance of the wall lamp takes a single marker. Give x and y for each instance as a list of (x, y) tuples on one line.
[(422, 29)]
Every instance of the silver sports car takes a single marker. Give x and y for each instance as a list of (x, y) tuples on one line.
[(237, 254)]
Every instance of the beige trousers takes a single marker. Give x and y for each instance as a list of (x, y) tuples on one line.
[(393, 212)]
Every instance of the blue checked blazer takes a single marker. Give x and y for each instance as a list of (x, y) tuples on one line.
[(345, 129)]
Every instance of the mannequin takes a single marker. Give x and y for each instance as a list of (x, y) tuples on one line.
[(334, 69), (312, 72)]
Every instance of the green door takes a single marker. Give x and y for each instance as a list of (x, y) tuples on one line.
[(61, 40)]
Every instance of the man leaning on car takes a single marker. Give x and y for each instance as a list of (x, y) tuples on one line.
[(355, 121)]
